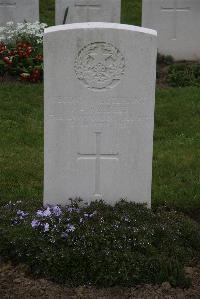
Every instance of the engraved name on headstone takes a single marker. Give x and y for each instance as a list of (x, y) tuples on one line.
[(99, 112)]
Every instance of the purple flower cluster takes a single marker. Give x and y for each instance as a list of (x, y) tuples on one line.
[(60, 222), (36, 224), (50, 211), (86, 215), (70, 229), (72, 209), (22, 214)]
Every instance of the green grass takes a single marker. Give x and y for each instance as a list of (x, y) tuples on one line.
[(176, 164), (47, 11), (131, 11), (21, 151)]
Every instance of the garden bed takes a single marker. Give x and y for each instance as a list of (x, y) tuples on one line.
[(100, 245), (15, 283)]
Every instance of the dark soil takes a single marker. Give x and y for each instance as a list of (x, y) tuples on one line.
[(162, 72), (14, 283)]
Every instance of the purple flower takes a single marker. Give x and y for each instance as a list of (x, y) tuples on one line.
[(39, 213), (64, 235), (71, 209), (70, 228), (86, 215), (22, 214), (56, 210), (45, 213), (93, 214), (15, 222), (46, 227), (35, 223)]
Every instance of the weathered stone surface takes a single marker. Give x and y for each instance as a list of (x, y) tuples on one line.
[(19, 11), (178, 26), (87, 11), (99, 112)]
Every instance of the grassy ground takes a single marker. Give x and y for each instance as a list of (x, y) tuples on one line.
[(21, 151), (176, 143), (131, 11), (176, 146)]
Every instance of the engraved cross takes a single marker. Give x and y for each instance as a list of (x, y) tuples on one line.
[(175, 9), (87, 6), (98, 156)]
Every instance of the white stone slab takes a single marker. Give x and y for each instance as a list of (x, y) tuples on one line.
[(88, 11), (99, 112), (178, 26), (19, 11)]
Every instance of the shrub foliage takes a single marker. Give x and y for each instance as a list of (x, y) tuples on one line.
[(21, 53), (185, 74), (99, 244)]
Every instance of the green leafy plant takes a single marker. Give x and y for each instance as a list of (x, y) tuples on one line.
[(181, 75), (21, 53), (165, 59), (100, 244), (21, 60)]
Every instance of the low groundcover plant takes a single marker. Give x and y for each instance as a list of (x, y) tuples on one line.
[(100, 244)]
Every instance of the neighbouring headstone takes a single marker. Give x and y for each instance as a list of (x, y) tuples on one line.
[(178, 26), (19, 11), (78, 11), (99, 112)]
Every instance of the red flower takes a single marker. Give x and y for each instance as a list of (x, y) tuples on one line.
[(39, 57), (7, 60), (35, 75), (2, 47), (24, 50)]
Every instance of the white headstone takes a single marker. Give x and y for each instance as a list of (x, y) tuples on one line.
[(19, 11), (99, 112), (78, 11), (178, 26)]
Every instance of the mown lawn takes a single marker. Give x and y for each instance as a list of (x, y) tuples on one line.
[(131, 11), (176, 162)]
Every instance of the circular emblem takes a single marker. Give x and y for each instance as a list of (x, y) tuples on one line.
[(99, 65)]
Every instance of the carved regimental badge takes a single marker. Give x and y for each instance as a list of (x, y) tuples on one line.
[(99, 65)]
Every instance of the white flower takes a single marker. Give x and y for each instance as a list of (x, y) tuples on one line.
[(29, 31)]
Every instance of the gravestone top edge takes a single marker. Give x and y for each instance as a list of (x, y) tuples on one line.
[(100, 25)]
